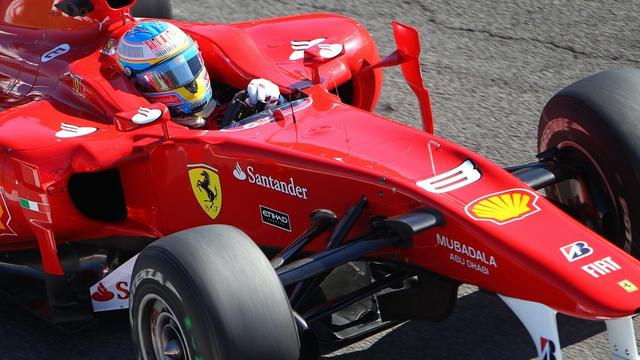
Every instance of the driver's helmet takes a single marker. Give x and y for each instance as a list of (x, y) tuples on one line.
[(165, 65)]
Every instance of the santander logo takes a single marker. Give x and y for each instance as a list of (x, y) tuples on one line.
[(239, 174), (289, 187), (102, 294)]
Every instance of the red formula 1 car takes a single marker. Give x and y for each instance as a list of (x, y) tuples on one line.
[(360, 222)]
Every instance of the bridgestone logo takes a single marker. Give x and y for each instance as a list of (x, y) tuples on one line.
[(275, 218), (576, 251)]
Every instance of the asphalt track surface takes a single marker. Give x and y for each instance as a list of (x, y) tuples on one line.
[(490, 66)]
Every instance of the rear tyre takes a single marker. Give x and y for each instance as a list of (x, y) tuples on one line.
[(595, 125), (158, 9), (209, 293)]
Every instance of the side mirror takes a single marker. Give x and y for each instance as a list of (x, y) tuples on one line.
[(407, 56), (133, 119), (407, 47), (407, 39), (320, 54)]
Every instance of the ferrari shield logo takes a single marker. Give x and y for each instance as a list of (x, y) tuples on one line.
[(504, 207), (205, 184), (628, 286)]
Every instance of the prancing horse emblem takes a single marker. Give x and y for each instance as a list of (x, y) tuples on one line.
[(205, 184)]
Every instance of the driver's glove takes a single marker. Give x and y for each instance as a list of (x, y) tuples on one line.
[(262, 93)]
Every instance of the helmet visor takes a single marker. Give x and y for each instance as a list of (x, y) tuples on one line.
[(173, 73)]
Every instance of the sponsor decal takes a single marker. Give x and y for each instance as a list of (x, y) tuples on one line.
[(576, 251), (5, 217), (288, 187), (102, 293), (71, 131), (326, 50), (76, 85), (628, 286), (205, 184), (112, 292), (467, 255), (157, 276), (238, 173), (167, 99), (275, 218), (504, 207), (55, 52), (601, 267), (109, 48), (162, 44), (463, 175), (35, 206), (146, 116), (101, 23), (547, 349)]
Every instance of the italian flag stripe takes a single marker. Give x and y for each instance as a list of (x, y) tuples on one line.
[(32, 205)]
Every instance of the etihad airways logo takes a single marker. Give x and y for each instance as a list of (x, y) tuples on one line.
[(288, 187)]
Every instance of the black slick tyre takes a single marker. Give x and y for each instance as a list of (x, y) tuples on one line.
[(595, 125), (209, 293)]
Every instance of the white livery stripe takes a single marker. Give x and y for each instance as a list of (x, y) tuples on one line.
[(463, 175)]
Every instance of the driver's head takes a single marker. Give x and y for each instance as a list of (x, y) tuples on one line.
[(165, 65)]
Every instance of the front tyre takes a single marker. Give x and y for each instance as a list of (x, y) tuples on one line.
[(209, 293), (595, 125)]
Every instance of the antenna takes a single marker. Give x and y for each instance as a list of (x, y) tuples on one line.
[(293, 114)]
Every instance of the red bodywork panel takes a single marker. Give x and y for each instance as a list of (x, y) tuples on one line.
[(57, 121)]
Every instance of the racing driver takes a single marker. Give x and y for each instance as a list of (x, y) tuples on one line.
[(166, 66)]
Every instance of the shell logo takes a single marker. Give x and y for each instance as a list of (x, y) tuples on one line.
[(504, 207)]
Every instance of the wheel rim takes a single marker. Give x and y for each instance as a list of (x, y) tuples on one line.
[(588, 195), (160, 334)]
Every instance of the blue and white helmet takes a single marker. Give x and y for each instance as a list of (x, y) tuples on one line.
[(166, 66)]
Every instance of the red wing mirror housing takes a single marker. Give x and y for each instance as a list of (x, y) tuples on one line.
[(320, 54), (407, 56), (143, 116)]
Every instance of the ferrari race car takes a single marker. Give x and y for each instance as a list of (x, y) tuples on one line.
[(304, 226)]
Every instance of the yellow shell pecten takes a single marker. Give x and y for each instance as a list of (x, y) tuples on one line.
[(503, 207)]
